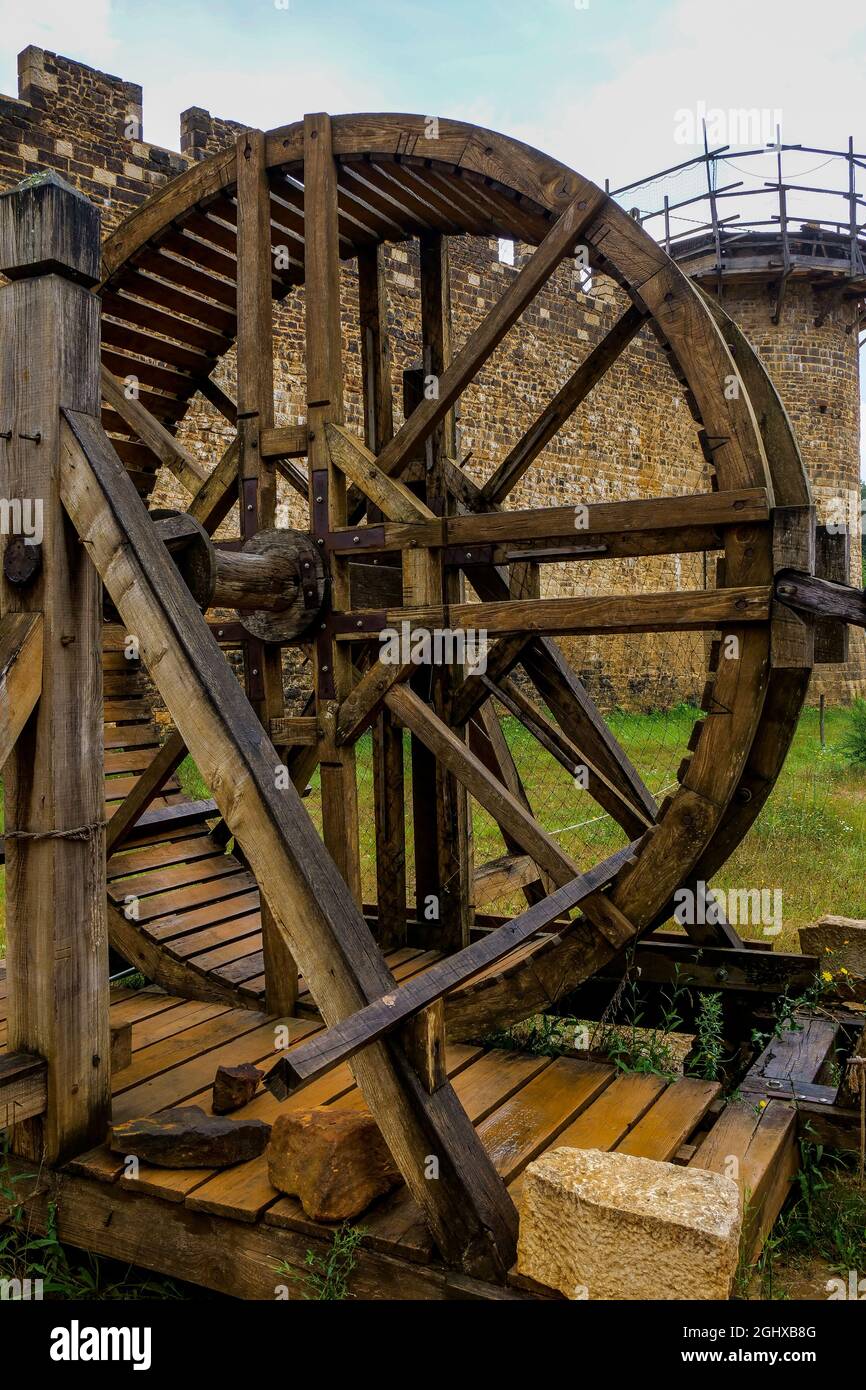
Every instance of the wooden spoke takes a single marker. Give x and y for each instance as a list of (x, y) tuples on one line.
[(559, 242), (392, 497), (563, 405), (146, 789), (505, 808), (152, 433)]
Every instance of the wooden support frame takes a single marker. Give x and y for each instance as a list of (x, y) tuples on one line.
[(57, 942), (470, 1214)]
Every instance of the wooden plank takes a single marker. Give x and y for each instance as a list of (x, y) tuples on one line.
[(532, 1120), (23, 1088), (326, 932), (57, 949), (343, 1041), (669, 1122), (21, 643)]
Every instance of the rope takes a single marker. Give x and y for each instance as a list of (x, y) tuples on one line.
[(79, 832)]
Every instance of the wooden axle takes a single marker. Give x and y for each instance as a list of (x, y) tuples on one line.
[(247, 581)]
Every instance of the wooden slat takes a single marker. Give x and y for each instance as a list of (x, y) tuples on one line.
[(151, 432), (23, 1088)]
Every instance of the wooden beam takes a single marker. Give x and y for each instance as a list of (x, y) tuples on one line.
[(389, 796), (21, 641), (563, 405), (702, 515), (450, 814), (821, 597), (361, 707), (357, 463), (469, 1212), (23, 1088), (683, 611), (217, 495), (483, 341), (505, 808), (504, 875), (257, 480), (57, 943), (153, 434), (325, 406), (325, 1050), (284, 442)]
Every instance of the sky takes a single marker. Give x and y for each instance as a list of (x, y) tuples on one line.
[(601, 84)]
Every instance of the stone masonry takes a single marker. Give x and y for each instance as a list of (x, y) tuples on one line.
[(633, 437)]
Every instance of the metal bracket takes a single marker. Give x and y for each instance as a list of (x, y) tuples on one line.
[(459, 556), (364, 538)]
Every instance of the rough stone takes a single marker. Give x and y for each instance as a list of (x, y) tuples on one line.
[(234, 1087), (185, 1137), (334, 1161), (840, 945), (611, 1226)]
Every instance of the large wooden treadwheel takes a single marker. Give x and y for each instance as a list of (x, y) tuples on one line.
[(196, 269)]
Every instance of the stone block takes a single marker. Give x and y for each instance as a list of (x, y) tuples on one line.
[(840, 945), (612, 1226), (234, 1087), (334, 1161), (185, 1137)]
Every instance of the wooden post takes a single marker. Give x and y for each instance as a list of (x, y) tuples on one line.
[(451, 812), (388, 782), (325, 405), (57, 943), (257, 479)]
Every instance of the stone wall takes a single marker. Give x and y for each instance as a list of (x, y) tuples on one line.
[(634, 435)]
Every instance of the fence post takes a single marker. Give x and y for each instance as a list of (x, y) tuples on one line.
[(57, 953)]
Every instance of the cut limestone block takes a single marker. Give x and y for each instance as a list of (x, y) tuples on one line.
[(234, 1087), (185, 1137), (613, 1226), (840, 945), (334, 1161)]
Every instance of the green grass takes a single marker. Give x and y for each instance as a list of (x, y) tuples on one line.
[(808, 841)]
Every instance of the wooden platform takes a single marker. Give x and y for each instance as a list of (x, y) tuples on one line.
[(230, 1230)]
